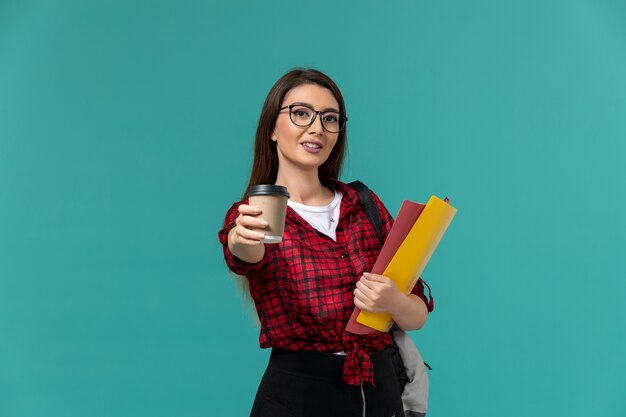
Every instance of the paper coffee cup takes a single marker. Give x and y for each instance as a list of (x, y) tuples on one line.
[(272, 200)]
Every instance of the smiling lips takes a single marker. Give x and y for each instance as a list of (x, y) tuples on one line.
[(312, 147)]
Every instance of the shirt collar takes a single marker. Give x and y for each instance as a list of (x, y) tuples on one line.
[(349, 200)]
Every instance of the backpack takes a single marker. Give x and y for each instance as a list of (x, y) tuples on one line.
[(409, 366)]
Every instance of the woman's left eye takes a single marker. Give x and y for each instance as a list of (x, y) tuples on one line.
[(331, 118)]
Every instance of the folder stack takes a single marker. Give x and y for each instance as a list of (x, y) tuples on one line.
[(411, 242)]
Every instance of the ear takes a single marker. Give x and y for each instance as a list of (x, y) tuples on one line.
[(273, 136)]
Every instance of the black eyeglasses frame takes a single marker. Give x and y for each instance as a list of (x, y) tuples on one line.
[(343, 119)]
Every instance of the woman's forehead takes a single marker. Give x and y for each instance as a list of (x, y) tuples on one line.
[(312, 94)]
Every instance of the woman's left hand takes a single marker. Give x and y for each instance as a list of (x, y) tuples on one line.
[(376, 293)]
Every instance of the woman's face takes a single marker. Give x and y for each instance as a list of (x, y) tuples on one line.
[(304, 148)]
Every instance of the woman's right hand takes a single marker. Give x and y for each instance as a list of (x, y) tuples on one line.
[(244, 240)]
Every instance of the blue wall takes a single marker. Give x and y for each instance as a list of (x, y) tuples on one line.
[(126, 131)]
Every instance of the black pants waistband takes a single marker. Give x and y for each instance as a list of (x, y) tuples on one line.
[(310, 384), (325, 365)]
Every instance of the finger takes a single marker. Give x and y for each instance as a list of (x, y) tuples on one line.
[(360, 295), (364, 287), (249, 210), (248, 241), (366, 306), (372, 285), (249, 234), (252, 222), (361, 305), (375, 277)]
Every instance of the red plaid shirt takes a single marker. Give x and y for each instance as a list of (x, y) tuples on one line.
[(303, 287)]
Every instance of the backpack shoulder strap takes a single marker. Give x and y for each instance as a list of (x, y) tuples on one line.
[(369, 206)]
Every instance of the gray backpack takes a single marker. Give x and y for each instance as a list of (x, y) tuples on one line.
[(415, 392)]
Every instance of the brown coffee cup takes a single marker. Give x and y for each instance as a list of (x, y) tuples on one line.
[(272, 200)]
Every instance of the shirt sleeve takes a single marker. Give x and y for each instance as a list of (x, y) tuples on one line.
[(235, 264), (419, 291), (387, 221)]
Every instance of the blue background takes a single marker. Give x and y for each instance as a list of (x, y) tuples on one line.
[(126, 132)]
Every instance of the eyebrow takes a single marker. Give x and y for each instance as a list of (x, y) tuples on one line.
[(313, 107)]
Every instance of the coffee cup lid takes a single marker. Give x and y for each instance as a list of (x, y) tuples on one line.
[(268, 189)]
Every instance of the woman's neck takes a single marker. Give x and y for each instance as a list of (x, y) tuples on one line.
[(305, 188)]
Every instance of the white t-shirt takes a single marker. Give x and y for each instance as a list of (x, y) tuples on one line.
[(322, 218)]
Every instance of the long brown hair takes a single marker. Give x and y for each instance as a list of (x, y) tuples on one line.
[(265, 165)]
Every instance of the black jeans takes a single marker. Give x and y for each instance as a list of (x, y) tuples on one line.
[(310, 384)]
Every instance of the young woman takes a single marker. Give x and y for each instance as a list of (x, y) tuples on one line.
[(306, 287)]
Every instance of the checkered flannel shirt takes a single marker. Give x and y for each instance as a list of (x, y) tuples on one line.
[(303, 287)]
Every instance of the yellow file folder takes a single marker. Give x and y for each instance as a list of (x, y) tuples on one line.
[(412, 256)]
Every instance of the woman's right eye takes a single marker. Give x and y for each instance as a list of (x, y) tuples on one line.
[(300, 112)]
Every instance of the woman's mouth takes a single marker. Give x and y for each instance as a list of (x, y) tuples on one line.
[(311, 147)]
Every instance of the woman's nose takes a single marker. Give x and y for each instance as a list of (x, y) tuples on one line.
[(316, 126)]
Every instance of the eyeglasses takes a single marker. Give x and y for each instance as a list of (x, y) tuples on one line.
[(304, 116)]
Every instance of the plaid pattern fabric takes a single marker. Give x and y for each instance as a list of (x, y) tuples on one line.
[(303, 287)]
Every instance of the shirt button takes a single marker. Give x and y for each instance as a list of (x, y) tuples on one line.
[(343, 256)]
